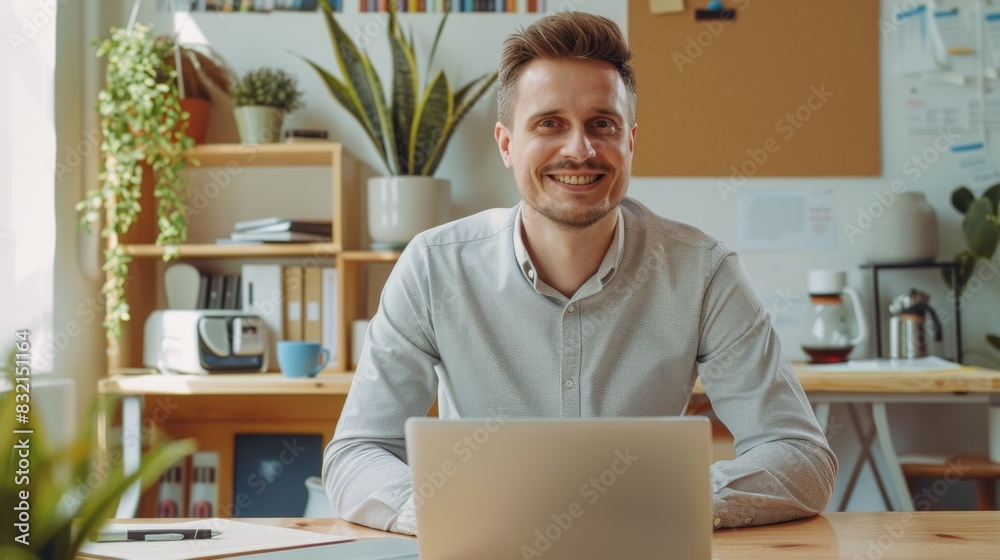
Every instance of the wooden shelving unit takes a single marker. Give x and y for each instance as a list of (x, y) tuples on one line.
[(215, 408)]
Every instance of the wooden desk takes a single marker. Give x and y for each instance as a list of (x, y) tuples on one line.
[(877, 536), (864, 392)]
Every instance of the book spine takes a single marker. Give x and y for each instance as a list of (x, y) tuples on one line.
[(331, 311), (204, 488), (292, 287), (312, 300), (170, 495)]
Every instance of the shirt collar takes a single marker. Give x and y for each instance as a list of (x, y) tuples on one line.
[(608, 266)]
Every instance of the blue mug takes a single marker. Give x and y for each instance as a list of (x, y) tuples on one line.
[(301, 359)]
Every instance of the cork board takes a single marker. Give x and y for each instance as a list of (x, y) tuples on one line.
[(789, 88)]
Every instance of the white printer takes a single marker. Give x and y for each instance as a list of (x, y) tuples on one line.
[(205, 341)]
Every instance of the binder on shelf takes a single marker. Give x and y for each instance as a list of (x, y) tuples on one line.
[(292, 286), (261, 293), (204, 489), (203, 287), (330, 311), (215, 291), (231, 294), (312, 299), (170, 491)]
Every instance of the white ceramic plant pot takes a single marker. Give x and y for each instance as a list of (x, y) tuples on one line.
[(903, 229), (258, 124), (401, 207)]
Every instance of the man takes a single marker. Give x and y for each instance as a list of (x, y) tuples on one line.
[(578, 302)]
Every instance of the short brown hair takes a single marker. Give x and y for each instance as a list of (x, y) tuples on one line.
[(560, 36)]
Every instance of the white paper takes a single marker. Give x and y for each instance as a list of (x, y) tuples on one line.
[(928, 363), (915, 47), (950, 29), (957, 112), (237, 537), (974, 164), (786, 221), (992, 30)]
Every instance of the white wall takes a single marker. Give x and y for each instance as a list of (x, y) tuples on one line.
[(472, 46)]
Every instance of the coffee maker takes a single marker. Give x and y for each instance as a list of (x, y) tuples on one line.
[(908, 325)]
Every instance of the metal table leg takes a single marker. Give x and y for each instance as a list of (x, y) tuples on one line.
[(895, 473), (128, 506)]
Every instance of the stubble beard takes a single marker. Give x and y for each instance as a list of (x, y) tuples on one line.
[(570, 220)]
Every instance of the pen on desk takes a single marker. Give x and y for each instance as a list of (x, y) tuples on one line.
[(154, 535)]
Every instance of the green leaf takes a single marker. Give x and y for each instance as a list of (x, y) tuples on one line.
[(364, 91), (993, 194), (966, 266), (961, 198), (981, 232), (993, 340), (430, 121), (483, 85), (437, 39), (404, 97)]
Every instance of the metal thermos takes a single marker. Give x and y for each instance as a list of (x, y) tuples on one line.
[(908, 324)]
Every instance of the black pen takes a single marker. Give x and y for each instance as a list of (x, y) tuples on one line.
[(154, 535)]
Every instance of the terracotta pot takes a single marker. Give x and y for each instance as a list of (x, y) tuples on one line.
[(198, 109)]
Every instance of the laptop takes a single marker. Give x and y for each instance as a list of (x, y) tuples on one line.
[(562, 489)]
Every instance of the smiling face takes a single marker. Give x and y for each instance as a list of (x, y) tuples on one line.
[(570, 140)]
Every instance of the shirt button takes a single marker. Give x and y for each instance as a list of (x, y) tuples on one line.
[(569, 383), (718, 521), (571, 308), (531, 274), (748, 520)]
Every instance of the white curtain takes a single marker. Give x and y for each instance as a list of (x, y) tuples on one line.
[(27, 173)]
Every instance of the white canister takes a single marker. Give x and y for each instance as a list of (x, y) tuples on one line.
[(401, 207), (903, 228)]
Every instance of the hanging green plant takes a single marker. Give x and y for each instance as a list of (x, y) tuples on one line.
[(144, 131)]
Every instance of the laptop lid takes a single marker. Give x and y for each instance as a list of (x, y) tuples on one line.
[(562, 489)]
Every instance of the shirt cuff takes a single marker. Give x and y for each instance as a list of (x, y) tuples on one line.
[(406, 520)]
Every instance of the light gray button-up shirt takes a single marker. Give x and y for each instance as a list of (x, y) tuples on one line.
[(464, 318)]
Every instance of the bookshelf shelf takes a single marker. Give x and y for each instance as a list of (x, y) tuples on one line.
[(264, 155), (210, 250), (370, 256), (326, 383)]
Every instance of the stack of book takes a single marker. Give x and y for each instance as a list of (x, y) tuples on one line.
[(279, 230)]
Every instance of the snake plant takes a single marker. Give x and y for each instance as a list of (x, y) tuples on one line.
[(981, 227), (412, 130)]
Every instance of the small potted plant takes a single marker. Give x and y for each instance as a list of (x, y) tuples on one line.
[(981, 228), (410, 130), (262, 98)]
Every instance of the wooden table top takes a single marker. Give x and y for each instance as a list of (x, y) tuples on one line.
[(962, 380), (969, 535)]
